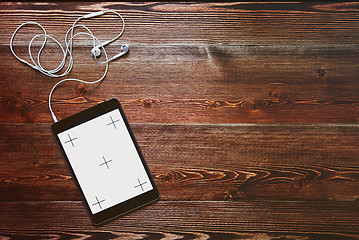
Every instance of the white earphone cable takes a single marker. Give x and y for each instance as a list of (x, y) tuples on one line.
[(67, 51)]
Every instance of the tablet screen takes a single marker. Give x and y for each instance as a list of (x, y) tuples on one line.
[(105, 161)]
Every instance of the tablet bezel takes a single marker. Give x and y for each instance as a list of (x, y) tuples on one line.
[(120, 208)]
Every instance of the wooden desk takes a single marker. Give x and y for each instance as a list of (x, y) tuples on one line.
[(247, 115)]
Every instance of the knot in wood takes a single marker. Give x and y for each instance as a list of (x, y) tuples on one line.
[(299, 183), (80, 89), (274, 95), (20, 106), (253, 105), (321, 72), (165, 177), (147, 103), (214, 104)]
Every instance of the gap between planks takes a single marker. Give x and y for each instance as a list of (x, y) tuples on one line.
[(219, 124)]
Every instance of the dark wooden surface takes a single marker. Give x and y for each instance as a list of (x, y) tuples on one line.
[(247, 115)]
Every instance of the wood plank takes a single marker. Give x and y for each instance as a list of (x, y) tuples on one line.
[(199, 23), (196, 72), (190, 220), (196, 84), (232, 162)]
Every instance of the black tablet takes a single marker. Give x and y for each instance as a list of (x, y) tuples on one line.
[(105, 161)]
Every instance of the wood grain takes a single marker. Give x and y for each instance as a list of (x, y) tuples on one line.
[(199, 23), (203, 84), (239, 162), (190, 220), (247, 115)]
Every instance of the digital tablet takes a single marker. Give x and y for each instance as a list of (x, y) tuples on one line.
[(105, 161)]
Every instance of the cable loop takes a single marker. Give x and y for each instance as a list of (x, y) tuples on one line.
[(66, 51)]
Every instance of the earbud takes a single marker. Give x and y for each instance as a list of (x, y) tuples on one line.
[(125, 47), (67, 50), (96, 52)]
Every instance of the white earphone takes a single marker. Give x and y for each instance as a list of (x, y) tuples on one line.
[(96, 52), (98, 46)]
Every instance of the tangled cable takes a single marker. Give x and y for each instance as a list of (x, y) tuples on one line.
[(67, 51)]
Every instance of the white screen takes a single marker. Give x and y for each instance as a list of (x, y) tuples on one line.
[(105, 161)]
